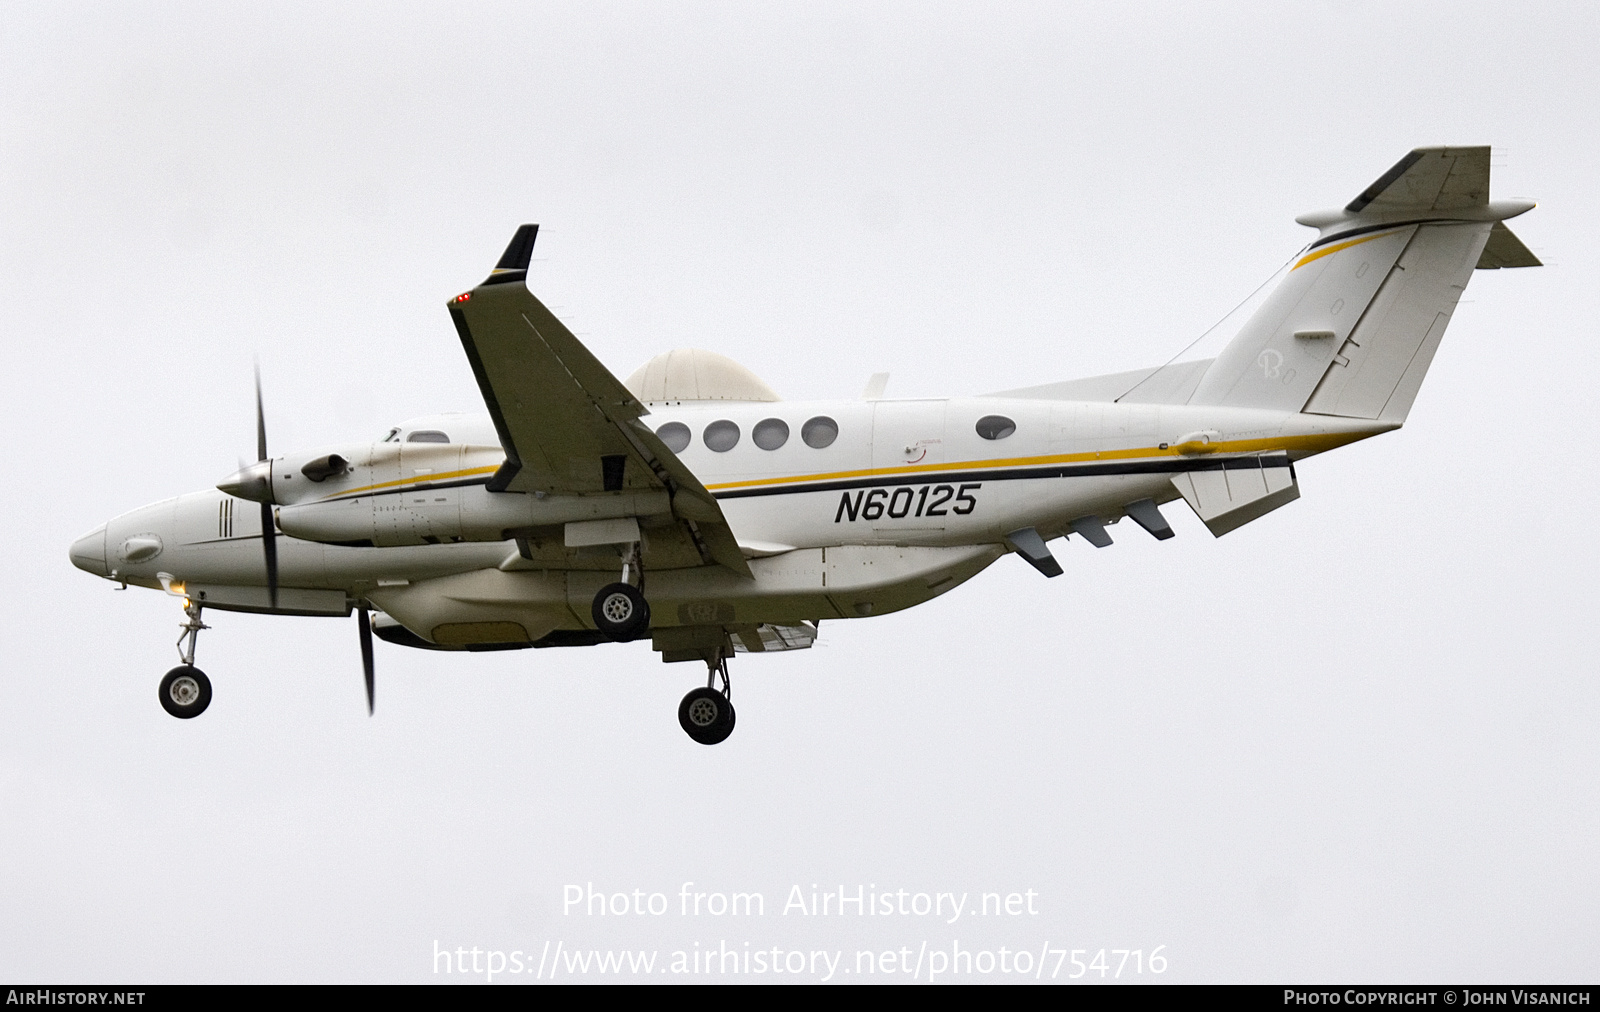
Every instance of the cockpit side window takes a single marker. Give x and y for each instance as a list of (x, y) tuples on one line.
[(427, 436), (393, 435)]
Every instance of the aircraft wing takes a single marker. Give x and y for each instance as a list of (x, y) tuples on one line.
[(567, 425)]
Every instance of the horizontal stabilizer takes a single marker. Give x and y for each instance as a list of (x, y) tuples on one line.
[(1504, 249), (1232, 492), (1429, 180)]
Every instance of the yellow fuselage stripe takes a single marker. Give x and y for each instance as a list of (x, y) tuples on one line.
[(1307, 444), (420, 479)]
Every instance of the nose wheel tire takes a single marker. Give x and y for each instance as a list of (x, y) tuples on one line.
[(621, 612), (706, 715), (185, 692)]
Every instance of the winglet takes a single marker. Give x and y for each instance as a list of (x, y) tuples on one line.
[(513, 265)]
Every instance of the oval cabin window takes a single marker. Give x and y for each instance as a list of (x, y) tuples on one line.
[(427, 436), (675, 435), (995, 426), (819, 432), (721, 435), (770, 433)]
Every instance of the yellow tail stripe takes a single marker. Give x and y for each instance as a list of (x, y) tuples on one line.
[(1336, 247)]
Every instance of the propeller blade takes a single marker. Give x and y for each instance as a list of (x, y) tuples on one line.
[(269, 529), (269, 547), (365, 625), (261, 420)]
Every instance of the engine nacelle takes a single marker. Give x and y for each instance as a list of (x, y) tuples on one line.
[(391, 494), (432, 515)]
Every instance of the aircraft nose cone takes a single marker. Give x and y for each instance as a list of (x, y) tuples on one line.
[(89, 552)]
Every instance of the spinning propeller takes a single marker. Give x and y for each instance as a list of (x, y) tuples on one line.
[(269, 529), (254, 482)]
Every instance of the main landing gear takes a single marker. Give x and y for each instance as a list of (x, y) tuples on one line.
[(185, 690), (620, 611), (707, 713)]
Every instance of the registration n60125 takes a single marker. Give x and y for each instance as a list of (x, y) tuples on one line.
[(903, 501)]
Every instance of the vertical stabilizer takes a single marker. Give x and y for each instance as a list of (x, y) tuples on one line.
[(1352, 328)]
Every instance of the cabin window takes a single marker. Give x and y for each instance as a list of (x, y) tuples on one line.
[(427, 436), (675, 435), (770, 433), (995, 426), (721, 435), (819, 432)]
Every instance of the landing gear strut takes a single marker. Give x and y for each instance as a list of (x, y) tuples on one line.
[(185, 690), (620, 610), (707, 713)]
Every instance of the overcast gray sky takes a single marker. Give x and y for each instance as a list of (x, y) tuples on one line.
[(1352, 741)]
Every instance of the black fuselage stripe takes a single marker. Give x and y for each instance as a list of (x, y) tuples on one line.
[(1020, 474)]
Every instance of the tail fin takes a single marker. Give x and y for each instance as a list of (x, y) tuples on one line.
[(1353, 327)]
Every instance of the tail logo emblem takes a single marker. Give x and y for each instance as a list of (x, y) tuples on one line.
[(1271, 363)]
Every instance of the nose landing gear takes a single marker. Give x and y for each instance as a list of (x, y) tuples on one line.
[(185, 691)]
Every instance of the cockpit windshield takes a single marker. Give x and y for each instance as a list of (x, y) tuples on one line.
[(445, 427)]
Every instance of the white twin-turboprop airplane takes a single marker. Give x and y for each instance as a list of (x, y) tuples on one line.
[(730, 521)]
